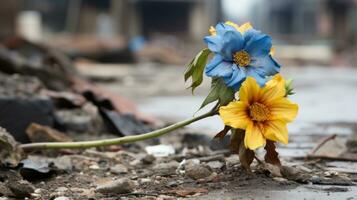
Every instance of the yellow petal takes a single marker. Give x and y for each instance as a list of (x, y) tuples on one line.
[(235, 114), (254, 136), (243, 28), (283, 109), (273, 89), (230, 23), (212, 30), (249, 90), (276, 131), (272, 51)]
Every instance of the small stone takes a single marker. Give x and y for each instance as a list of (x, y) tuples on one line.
[(192, 162), (119, 186), (61, 191), (161, 150), (135, 162), (166, 168), (62, 198), (215, 165), (149, 159), (232, 160), (315, 179), (280, 179), (21, 188), (38, 191), (94, 166), (172, 184), (119, 169), (198, 171), (145, 180)]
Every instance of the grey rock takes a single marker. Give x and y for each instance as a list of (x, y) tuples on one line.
[(119, 169), (198, 171), (149, 159), (119, 186), (232, 160), (21, 188), (215, 165), (165, 169)]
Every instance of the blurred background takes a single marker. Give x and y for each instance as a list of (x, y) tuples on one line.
[(139, 48), (308, 31)]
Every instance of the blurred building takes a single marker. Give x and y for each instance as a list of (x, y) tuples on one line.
[(183, 18)]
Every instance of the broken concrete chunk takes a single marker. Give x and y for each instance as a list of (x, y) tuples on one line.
[(17, 114), (40, 133), (85, 119)]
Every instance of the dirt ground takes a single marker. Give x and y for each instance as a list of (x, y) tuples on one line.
[(197, 167)]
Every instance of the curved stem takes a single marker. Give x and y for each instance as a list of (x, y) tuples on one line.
[(114, 141)]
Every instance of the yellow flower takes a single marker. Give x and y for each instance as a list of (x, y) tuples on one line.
[(262, 112)]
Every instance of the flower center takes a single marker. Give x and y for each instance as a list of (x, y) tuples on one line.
[(259, 112), (241, 58)]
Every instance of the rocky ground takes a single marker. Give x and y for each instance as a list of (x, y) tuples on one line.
[(319, 162)]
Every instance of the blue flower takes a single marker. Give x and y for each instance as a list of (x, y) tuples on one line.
[(239, 54)]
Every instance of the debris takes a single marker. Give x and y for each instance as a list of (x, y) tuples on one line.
[(40, 133), (85, 119), (149, 159), (23, 57), (160, 150), (21, 188), (10, 153), (274, 170), (332, 148), (216, 165), (166, 169), (119, 186), (35, 168), (232, 160), (22, 104), (119, 169), (198, 171), (65, 99), (295, 174), (62, 198), (188, 191)]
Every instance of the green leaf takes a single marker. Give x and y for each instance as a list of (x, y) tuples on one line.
[(219, 91), (196, 67), (289, 90)]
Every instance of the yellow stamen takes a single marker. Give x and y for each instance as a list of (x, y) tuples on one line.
[(241, 58), (259, 112)]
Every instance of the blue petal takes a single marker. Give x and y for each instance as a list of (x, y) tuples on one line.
[(250, 33), (258, 74), (258, 44), (222, 28), (218, 68), (214, 43), (237, 77), (232, 42), (269, 65), (217, 59)]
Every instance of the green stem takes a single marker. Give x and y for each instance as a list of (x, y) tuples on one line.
[(114, 141)]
